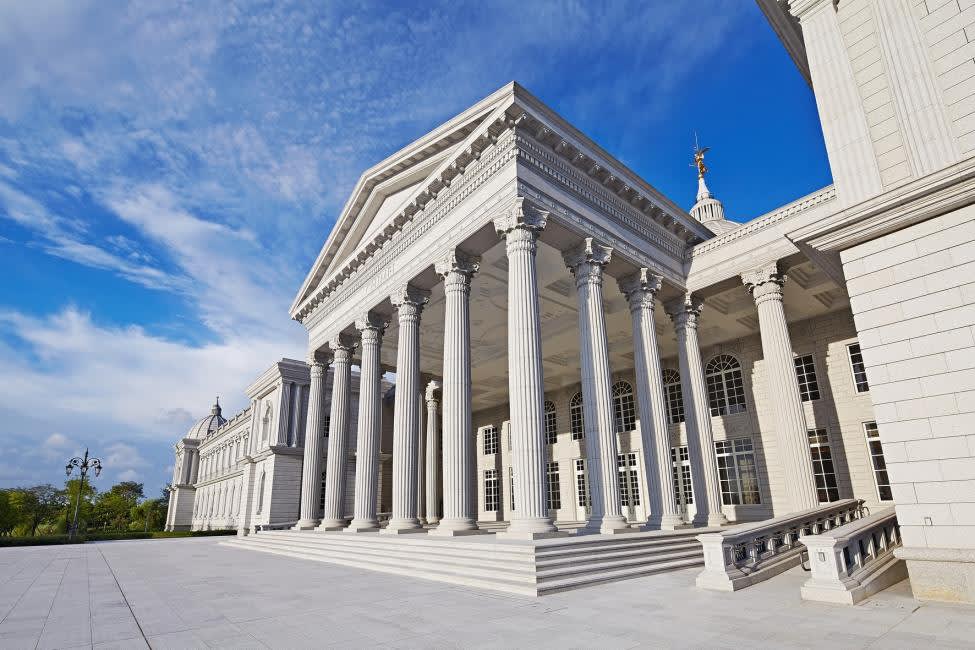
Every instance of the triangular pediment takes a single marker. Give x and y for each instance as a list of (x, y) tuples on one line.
[(382, 191)]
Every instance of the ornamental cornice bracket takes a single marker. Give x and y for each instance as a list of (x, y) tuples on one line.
[(409, 294), (521, 213), (457, 261), (767, 273), (588, 251)]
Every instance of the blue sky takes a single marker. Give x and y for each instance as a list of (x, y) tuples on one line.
[(168, 172)]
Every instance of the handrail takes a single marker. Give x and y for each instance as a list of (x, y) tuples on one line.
[(742, 555), (847, 562)]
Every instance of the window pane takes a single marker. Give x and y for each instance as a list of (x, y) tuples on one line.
[(806, 374), (879, 464), (823, 470), (859, 370)]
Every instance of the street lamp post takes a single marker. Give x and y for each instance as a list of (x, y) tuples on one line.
[(83, 465)]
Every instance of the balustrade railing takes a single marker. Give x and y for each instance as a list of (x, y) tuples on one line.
[(743, 555), (854, 561)]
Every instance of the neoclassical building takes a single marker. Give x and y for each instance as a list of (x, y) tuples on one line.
[(569, 351)]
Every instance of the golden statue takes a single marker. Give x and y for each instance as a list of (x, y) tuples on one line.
[(699, 158)]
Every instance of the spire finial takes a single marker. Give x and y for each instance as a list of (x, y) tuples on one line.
[(216, 410), (699, 152)]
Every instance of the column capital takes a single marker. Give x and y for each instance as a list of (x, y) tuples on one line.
[(433, 387), (764, 282), (640, 288), (342, 347), (521, 214), (685, 311), (371, 326), (409, 300), (587, 259), (457, 262)]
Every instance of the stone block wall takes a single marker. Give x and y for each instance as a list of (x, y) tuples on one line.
[(913, 299)]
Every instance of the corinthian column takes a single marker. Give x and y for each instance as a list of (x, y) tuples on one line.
[(765, 285), (311, 482), (586, 263), (685, 313), (371, 328), (338, 434), (520, 227), (640, 289), (432, 449), (459, 511), (408, 301)]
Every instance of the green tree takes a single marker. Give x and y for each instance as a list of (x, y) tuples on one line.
[(72, 488), (36, 505), (113, 508), (148, 515), (8, 515)]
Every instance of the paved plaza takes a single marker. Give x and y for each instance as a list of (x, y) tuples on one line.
[(196, 593)]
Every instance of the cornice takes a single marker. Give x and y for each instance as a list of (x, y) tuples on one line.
[(933, 195), (779, 215)]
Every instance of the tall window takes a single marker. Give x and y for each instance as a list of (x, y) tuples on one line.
[(491, 501), (736, 472), (327, 427), (806, 374), (490, 440), (554, 500), (859, 371), (726, 389), (260, 495), (680, 462), (675, 401), (551, 424), (822, 459), (582, 488), (321, 497), (575, 417), (877, 459), (629, 480), (624, 410), (511, 486)]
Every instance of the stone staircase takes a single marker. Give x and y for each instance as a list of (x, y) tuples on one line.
[(531, 568)]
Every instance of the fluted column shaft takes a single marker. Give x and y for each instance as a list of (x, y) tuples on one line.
[(520, 228), (311, 483), (765, 285), (336, 459), (194, 467), (459, 493), (371, 329), (408, 302), (421, 455), (432, 449), (697, 418), (640, 290), (586, 263)]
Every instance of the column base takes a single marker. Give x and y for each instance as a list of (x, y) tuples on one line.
[(433, 521), (332, 524), (402, 527), (456, 528), (362, 526), (666, 522), (530, 535), (716, 519), (306, 524)]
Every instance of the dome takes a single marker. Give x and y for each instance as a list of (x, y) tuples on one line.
[(209, 424)]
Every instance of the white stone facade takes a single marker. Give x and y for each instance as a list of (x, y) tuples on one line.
[(573, 351)]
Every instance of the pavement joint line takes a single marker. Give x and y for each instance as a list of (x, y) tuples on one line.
[(126, 600), (21, 597), (53, 599)]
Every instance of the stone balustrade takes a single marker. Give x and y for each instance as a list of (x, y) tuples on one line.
[(743, 555), (854, 561)]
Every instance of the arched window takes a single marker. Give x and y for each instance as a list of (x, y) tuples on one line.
[(266, 423), (260, 495), (675, 401), (726, 389), (576, 423), (551, 423), (624, 410)]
